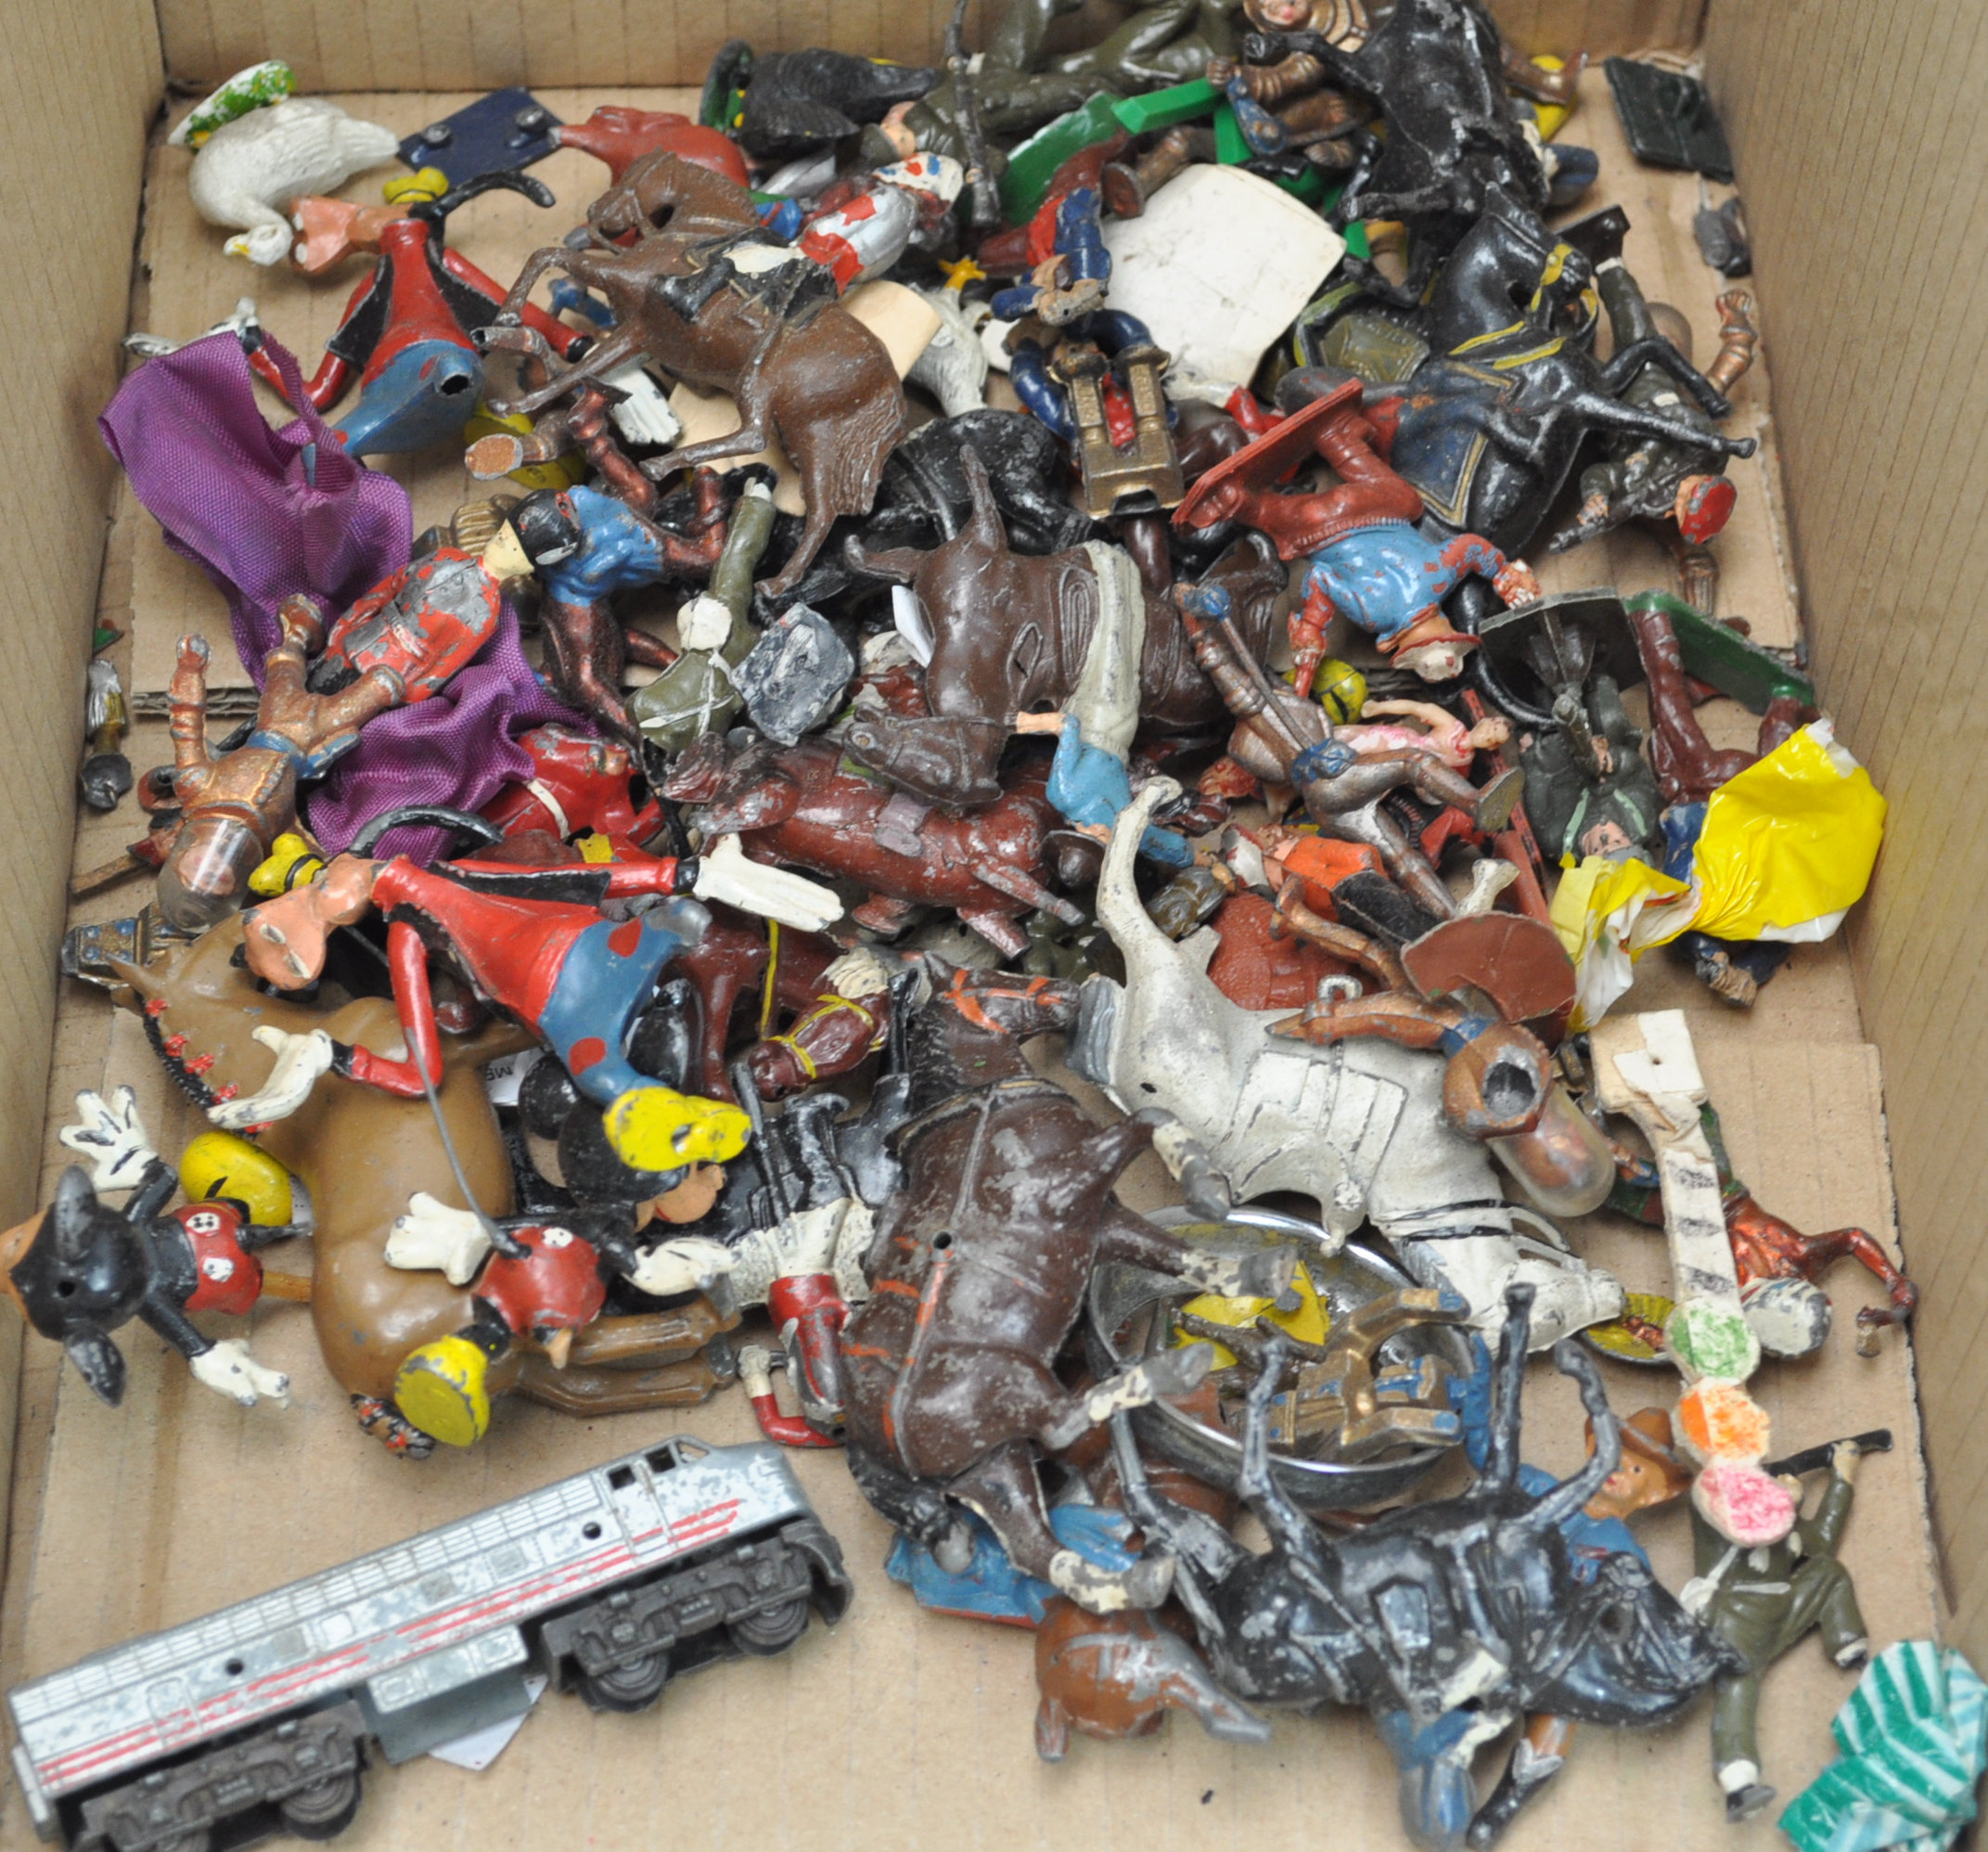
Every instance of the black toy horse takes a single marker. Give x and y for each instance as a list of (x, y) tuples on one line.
[(1493, 423), (1449, 1621)]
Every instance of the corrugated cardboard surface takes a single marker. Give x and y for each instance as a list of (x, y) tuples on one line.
[(76, 95), (443, 45), (1873, 265), (900, 1729)]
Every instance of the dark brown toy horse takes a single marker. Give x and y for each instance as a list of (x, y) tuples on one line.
[(706, 294), (978, 1272), (1009, 632), (802, 806)]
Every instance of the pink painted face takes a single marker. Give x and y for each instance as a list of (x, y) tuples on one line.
[(1281, 16), (284, 938)]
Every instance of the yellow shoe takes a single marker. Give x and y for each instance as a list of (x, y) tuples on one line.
[(442, 1389), (219, 1163), (658, 1128)]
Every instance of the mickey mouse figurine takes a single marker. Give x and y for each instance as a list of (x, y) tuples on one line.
[(82, 1269)]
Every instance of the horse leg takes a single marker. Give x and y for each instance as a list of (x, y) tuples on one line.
[(546, 257), (618, 349), (821, 517), (726, 964), (580, 1391), (1597, 411), (1655, 350), (1130, 1240), (1290, 1529), (753, 395), (1003, 1489)]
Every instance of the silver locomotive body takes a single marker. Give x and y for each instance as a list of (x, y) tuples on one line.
[(612, 1580)]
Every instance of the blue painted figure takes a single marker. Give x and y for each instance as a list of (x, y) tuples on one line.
[(990, 1586), (1068, 279), (1089, 782), (584, 546)]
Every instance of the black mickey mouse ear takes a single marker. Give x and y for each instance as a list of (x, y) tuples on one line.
[(100, 1363)]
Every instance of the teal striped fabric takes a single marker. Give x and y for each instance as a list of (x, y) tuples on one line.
[(1912, 1739)]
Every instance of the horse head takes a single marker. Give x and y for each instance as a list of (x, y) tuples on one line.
[(971, 1031), (1632, 1654), (734, 790)]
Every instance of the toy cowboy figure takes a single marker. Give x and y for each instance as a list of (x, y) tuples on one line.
[(534, 944), (399, 644), (1762, 1602), (1368, 561)]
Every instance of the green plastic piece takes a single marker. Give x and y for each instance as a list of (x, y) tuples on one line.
[(1165, 108), (1308, 185), (1356, 244), (1032, 165), (1720, 655), (1232, 148)]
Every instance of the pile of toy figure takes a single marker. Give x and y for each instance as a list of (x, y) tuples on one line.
[(1091, 490)]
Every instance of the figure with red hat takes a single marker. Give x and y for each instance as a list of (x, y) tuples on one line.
[(1368, 561)]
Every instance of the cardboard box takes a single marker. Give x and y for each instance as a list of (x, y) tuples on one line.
[(902, 1728)]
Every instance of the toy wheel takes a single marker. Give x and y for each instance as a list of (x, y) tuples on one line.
[(772, 1630), (324, 1809), (633, 1686)]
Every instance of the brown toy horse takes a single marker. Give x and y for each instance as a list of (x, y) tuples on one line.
[(802, 806), (362, 1154), (706, 294), (978, 1272), (1009, 632)]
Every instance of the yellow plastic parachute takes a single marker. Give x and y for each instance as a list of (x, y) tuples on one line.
[(1785, 851), (1788, 844)]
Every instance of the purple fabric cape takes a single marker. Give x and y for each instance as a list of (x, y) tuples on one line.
[(247, 504)]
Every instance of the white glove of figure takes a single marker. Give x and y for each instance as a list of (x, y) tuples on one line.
[(431, 1236), (228, 1368), (644, 417), (109, 1135), (299, 1061), (725, 874), (689, 1263)]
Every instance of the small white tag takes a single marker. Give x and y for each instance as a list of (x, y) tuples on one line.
[(911, 625), (501, 1077), (477, 1751)]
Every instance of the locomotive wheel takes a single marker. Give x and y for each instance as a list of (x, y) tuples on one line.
[(772, 1630), (324, 1809), (633, 1686)]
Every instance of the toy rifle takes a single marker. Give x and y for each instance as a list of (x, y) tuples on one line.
[(986, 196), (1813, 1459)]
